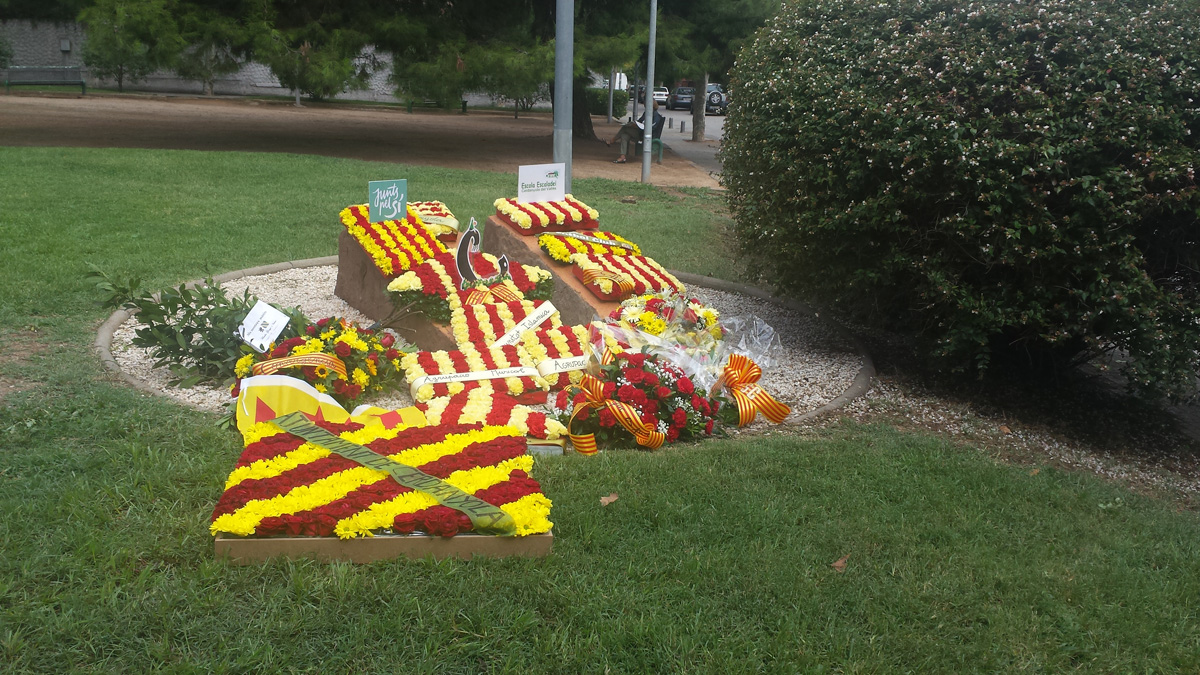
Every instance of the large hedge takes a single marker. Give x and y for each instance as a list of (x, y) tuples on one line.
[(991, 176)]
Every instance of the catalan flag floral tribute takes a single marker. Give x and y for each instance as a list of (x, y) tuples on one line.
[(285, 486), (394, 245)]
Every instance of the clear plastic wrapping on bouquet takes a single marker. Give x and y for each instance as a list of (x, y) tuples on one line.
[(753, 338)]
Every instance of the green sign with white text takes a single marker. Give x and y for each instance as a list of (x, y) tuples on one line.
[(387, 200)]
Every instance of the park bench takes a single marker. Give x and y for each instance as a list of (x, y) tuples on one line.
[(44, 75)]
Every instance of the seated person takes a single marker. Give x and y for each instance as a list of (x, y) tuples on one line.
[(634, 132)]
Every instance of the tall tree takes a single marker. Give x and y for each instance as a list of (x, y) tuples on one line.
[(310, 46), (128, 39), (215, 35)]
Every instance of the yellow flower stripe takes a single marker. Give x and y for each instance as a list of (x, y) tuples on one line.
[(380, 515), (400, 236), (331, 488), (531, 513), (561, 246)]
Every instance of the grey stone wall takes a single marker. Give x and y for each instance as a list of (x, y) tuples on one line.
[(41, 43)]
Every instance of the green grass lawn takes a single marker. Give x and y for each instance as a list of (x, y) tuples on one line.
[(715, 558)]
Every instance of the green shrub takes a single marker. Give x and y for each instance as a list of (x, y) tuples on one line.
[(597, 101), (994, 177)]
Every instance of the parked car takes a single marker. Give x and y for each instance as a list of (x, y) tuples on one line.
[(716, 102), (660, 95), (681, 98)]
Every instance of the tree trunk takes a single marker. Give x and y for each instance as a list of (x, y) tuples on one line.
[(612, 75), (699, 103), (208, 87), (120, 80), (298, 103), (581, 120)]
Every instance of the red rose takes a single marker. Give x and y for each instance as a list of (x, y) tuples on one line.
[(353, 391), (339, 386), (662, 392), (668, 313), (323, 322), (342, 349), (391, 354), (387, 340), (685, 385), (237, 388), (279, 351), (310, 329), (679, 417), (607, 419), (441, 521), (405, 523), (373, 357)]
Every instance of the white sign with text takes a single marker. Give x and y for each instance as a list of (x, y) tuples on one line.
[(261, 326), (541, 182)]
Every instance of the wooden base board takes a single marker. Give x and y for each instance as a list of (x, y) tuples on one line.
[(249, 550), (575, 303)]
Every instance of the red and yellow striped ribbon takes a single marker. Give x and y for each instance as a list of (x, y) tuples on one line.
[(316, 359), (627, 416), (623, 283), (499, 292), (741, 379)]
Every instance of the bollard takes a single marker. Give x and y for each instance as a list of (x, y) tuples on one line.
[(682, 127), (670, 122)]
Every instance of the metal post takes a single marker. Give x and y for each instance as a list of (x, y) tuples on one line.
[(612, 76), (564, 58), (648, 127)]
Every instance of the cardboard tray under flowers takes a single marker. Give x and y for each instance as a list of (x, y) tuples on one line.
[(249, 550)]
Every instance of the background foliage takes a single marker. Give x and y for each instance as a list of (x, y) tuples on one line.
[(995, 177)]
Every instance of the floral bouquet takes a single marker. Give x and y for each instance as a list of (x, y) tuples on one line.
[(336, 357), (394, 245), (529, 218), (613, 277), (670, 315), (637, 397)]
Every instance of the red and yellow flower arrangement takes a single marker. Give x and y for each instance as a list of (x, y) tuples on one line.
[(284, 486), (335, 356), (485, 324), (560, 247), (637, 398), (484, 405), (612, 277), (446, 373), (394, 245), (428, 286), (558, 353), (529, 218)]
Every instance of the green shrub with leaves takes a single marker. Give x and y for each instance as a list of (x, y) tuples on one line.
[(597, 101), (192, 331), (996, 177)]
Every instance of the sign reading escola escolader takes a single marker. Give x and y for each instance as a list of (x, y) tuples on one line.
[(387, 200), (541, 182)]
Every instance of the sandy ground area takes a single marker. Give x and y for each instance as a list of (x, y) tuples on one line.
[(483, 140)]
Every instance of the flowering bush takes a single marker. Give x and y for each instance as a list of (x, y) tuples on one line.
[(659, 392), (370, 360), (989, 175)]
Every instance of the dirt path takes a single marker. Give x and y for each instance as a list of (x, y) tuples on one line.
[(486, 140)]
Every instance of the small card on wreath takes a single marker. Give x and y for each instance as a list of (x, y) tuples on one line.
[(387, 200), (261, 326)]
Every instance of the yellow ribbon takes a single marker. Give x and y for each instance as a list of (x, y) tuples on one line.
[(497, 293), (627, 416), (623, 283), (741, 377), (316, 359)]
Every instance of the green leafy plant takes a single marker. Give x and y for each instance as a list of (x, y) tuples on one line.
[(597, 101), (1000, 179), (193, 331)]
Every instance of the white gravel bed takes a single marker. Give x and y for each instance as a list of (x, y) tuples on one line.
[(819, 365)]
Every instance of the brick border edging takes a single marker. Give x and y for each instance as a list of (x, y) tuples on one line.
[(860, 385)]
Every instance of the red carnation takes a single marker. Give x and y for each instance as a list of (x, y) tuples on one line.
[(685, 385), (609, 389), (650, 380), (387, 340), (442, 521), (634, 375), (679, 417), (662, 392), (405, 523), (627, 393), (638, 359), (342, 349), (708, 427), (672, 435), (649, 418), (607, 419)]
